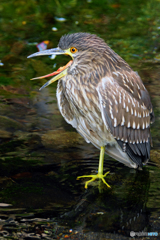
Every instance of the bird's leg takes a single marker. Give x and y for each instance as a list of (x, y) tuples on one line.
[(100, 170)]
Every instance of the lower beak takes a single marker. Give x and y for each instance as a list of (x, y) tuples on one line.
[(61, 72)]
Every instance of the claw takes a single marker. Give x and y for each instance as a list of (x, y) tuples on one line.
[(94, 177)]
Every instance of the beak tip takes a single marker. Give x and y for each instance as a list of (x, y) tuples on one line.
[(30, 56)]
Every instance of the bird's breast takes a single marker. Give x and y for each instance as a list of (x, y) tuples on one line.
[(84, 103), (81, 105)]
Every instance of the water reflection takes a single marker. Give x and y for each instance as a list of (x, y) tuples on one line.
[(51, 195), (120, 209)]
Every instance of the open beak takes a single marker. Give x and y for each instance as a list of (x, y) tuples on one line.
[(61, 72)]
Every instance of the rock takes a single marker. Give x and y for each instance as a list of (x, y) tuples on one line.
[(9, 123), (61, 138), (155, 156), (5, 134)]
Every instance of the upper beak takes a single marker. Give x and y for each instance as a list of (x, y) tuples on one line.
[(55, 51)]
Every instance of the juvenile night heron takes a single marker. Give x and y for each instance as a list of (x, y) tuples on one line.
[(104, 99)]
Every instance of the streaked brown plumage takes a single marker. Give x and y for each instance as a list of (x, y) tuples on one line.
[(104, 99)]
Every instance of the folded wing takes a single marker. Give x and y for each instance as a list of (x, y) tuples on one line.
[(127, 113)]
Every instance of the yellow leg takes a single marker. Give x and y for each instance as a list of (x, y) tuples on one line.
[(100, 171)]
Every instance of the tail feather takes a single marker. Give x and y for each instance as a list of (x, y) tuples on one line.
[(117, 153)]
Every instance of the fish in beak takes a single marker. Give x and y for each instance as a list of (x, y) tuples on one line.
[(61, 72)]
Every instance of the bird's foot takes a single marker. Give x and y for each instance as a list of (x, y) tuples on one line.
[(94, 177)]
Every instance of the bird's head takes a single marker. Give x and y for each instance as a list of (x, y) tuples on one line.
[(85, 50)]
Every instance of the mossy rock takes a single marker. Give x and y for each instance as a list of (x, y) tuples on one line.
[(61, 138), (9, 123), (155, 156), (5, 134)]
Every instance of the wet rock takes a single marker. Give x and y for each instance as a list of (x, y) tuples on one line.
[(9, 123), (5, 205), (31, 137), (14, 90), (61, 138), (155, 156), (6, 182), (5, 134)]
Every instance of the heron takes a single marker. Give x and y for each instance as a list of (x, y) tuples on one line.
[(100, 95)]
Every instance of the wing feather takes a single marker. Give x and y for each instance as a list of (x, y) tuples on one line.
[(127, 111)]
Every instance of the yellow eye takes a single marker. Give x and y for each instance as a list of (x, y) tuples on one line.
[(73, 50)]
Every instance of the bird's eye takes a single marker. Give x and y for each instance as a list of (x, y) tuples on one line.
[(73, 50)]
